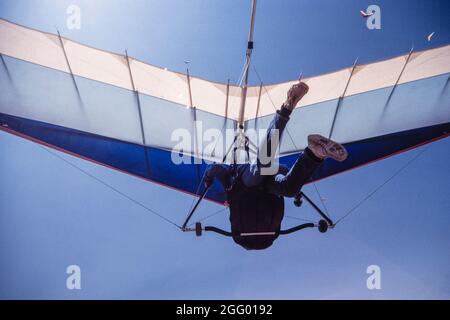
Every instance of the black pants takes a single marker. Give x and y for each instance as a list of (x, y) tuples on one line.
[(286, 183)]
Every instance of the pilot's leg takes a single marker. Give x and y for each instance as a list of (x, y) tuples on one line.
[(255, 173), (319, 148), (265, 166), (301, 172)]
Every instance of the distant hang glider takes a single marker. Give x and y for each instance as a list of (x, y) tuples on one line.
[(120, 112), (430, 36), (366, 14)]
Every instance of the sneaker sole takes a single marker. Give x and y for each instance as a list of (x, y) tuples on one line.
[(336, 151), (331, 148)]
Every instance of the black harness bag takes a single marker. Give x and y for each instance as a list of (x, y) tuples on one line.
[(255, 215)]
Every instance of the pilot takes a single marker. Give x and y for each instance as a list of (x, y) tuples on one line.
[(256, 190)]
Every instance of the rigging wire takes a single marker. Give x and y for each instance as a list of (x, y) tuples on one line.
[(242, 74), (396, 173), (239, 83), (321, 198), (197, 190), (209, 216), (213, 153), (110, 187), (300, 219)]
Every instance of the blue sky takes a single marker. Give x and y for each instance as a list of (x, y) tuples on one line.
[(52, 216)]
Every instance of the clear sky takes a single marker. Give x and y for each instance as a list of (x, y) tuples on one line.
[(52, 215)]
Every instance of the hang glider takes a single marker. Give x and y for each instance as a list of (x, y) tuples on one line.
[(365, 14), (120, 112)]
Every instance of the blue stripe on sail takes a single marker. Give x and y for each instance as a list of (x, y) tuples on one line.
[(129, 157)]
